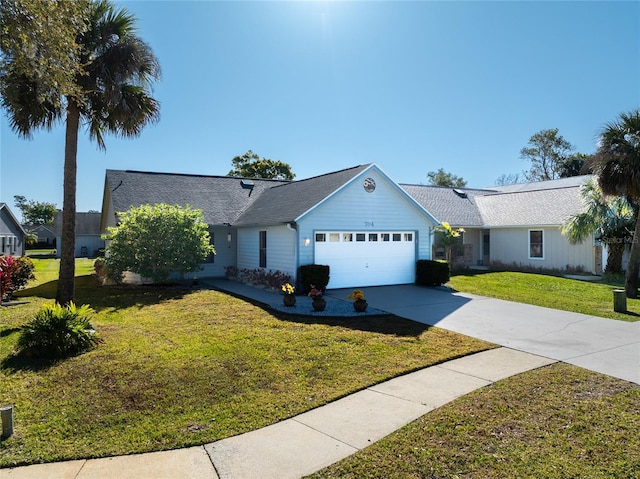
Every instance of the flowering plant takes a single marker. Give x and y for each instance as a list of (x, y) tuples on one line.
[(315, 293), (356, 295), (288, 289)]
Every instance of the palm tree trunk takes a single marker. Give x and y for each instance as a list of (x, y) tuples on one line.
[(66, 278), (631, 283), (615, 252)]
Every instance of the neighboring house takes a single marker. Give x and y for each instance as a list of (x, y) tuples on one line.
[(369, 229), (358, 221), (89, 240), (515, 225), (12, 242), (45, 233)]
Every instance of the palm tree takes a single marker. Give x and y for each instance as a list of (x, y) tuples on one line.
[(610, 220), (111, 95), (617, 164)]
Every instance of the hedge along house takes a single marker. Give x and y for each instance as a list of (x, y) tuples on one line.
[(515, 226), (358, 221)]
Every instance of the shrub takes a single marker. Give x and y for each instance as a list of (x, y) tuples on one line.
[(313, 274), (432, 273), (156, 241), (15, 273), (58, 331)]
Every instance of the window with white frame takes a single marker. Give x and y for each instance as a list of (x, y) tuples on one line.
[(536, 244), (263, 249)]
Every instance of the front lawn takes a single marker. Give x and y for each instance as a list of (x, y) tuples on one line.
[(181, 367), (587, 297), (556, 422)]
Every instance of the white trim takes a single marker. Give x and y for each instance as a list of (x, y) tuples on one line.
[(538, 258)]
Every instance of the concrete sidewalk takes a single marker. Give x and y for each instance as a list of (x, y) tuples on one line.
[(310, 441)]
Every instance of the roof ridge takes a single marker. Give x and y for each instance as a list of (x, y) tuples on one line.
[(196, 175), (464, 188), (514, 192)]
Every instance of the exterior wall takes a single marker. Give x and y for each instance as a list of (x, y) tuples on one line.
[(225, 253), (11, 237), (353, 209), (281, 249), (511, 245), (473, 237), (92, 243)]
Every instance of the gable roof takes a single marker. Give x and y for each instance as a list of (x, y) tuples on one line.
[(286, 203), (456, 206), (543, 203), (5, 208), (221, 198)]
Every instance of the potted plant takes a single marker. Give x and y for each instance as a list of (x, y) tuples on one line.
[(359, 303), (317, 301), (289, 295)]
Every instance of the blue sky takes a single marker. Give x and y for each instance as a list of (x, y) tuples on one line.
[(412, 86)]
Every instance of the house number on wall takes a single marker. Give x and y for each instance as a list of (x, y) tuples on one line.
[(368, 223)]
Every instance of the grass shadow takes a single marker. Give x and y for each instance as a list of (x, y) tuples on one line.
[(99, 297), (382, 324), (19, 362), (8, 332)]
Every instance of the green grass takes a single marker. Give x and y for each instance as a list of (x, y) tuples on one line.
[(181, 367), (587, 297), (556, 422)]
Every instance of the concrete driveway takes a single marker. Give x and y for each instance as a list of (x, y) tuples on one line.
[(604, 345)]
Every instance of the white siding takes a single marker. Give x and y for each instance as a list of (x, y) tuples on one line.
[(511, 245), (281, 249), (353, 209)]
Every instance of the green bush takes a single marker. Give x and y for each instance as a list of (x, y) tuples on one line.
[(432, 273), (313, 274), (58, 331)]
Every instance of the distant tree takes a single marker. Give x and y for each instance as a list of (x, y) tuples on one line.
[(35, 212), (617, 164), (250, 165), (547, 151), (156, 241), (510, 179), (443, 178), (611, 220), (102, 74), (575, 165)]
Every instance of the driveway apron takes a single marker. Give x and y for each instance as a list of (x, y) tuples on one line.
[(604, 345)]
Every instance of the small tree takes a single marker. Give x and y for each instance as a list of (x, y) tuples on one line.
[(250, 165), (155, 241), (443, 178), (548, 152), (449, 237), (35, 212)]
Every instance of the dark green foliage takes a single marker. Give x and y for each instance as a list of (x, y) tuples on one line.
[(57, 332), (432, 273), (313, 274)]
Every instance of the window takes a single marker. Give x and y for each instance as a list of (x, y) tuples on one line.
[(321, 237), (536, 244), (334, 237), (384, 237), (360, 236), (408, 236), (263, 249), (211, 258), (347, 237), (373, 236), (397, 237)]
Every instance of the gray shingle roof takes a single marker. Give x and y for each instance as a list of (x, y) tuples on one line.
[(287, 202), (526, 204), (524, 208), (445, 204), (221, 198)]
